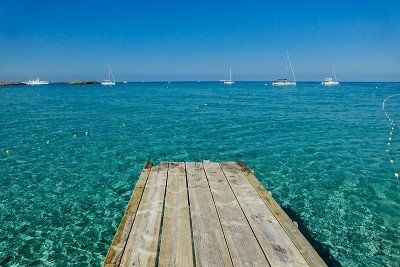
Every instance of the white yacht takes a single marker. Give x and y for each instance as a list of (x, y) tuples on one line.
[(284, 81), (36, 82), (231, 79), (330, 81), (109, 82)]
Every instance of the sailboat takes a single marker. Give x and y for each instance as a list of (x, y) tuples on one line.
[(329, 81), (284, 81), (36, 82), (109, 82), (231, 79)]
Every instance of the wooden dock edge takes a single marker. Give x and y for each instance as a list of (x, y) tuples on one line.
[(117, 247), (302, 244)]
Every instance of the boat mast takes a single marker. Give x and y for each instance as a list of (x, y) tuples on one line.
[(112, 74), (287, 69), (290, 63), (109, 72), (230, 74), (334, 73)]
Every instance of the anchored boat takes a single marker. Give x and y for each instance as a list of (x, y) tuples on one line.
[(231, 79), (36, 82), (109, 82), (329, 81), (284, 81)]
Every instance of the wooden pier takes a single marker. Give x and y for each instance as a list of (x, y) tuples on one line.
[(206, 214)]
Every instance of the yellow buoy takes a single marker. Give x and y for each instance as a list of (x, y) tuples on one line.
[(87, 133), (47, 142), (8, 151)]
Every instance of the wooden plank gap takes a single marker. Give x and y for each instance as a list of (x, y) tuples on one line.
[(219, 217), (209, 240), (258, 241), (141, 248), (157, 260), (176, 241), (190, 218), (247, 252)]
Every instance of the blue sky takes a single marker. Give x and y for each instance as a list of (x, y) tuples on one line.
[(199, 40)]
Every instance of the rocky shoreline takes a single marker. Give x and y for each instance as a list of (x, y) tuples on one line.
[(8, 83)]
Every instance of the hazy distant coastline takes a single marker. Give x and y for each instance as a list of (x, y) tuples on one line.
[(82, 82), (13, 83)]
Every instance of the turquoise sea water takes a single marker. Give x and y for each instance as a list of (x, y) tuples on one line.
[(75, 154)]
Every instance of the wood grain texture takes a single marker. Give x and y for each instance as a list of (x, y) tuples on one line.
[(176, 239), (206, 214), (242, 244), (274, 241), (141, 248), (305, 248), (116, 249), (208, 238)]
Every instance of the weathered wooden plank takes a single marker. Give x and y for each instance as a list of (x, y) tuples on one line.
[(208, 238), (274, 241), (308, 252), (176, 239), (141, 248), (116, 249), (243, 245)]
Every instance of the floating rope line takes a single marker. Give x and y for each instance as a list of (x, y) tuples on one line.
[(392, 128)]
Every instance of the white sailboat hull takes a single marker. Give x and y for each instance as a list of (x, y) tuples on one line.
[(330, 83), (37, 83), (108, 83), (284, 83), (229, 82)]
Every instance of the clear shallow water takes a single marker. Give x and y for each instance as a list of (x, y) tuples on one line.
[(321, 151)]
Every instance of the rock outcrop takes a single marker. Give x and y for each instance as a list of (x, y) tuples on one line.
[(8, 83)]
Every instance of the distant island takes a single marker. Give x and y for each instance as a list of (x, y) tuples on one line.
[(8, 83), (83, 82)]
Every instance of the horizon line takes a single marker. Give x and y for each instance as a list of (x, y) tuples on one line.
[(197, 81)]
